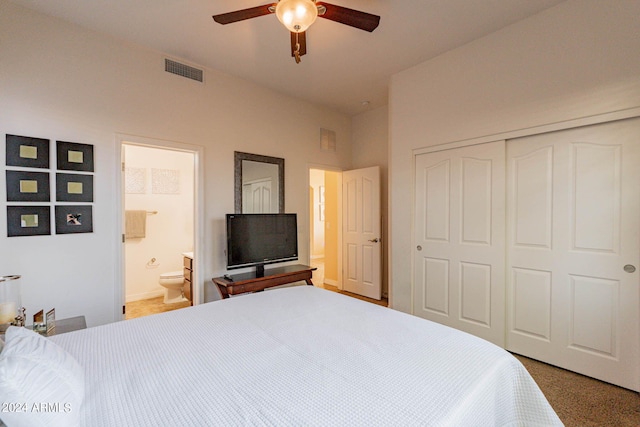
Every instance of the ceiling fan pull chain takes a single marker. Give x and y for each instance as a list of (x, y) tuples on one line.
[(296, 53)]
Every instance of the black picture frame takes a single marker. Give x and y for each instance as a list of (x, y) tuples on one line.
[(17, 225), (71, 219), (27, 152), (25, 186), (74, 156), (73, 187)]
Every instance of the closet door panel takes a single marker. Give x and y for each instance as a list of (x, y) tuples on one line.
[(580, 188), (475, 293), (596, 198), (594, 304), (476, 196), (435, 289), (532, 303), (533, 192), (459, 239), (436, 209)]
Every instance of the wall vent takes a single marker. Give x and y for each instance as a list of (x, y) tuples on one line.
[(183, 70), (327, 140)]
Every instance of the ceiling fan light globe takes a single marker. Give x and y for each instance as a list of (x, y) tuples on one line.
[(297, 15)]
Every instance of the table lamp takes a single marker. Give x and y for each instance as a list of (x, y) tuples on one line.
[(11, 310)]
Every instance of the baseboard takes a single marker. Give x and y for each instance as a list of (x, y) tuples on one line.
[(331, 282), (144, 295)]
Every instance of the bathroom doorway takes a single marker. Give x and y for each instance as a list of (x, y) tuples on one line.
[(159, 225)]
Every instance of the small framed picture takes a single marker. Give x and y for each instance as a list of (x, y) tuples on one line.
[(25, 186), (27, 152), (28, 221), (74, 156), (39, 325), (51, 321), (74, 219), (72, 187)]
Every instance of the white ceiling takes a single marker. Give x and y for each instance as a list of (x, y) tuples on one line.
[(343, 67)]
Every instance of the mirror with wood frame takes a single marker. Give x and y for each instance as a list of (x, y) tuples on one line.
[(259, 183)]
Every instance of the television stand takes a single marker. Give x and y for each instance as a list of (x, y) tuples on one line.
[(251, 282)]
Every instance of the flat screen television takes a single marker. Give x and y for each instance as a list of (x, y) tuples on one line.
[(259, 239)]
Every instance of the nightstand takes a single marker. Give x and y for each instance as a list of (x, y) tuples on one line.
[(63, 326), (67, 325)]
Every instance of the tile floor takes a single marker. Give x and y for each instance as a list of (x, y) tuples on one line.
[(146, 307)]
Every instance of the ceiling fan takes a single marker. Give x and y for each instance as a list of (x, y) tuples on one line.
[(298, 15)]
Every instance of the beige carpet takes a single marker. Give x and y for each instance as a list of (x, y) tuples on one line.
[(581, 401)]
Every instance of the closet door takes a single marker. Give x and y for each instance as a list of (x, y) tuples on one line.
[(459, 239), (573, 250)]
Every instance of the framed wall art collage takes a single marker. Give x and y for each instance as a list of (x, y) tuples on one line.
[(36, 193)]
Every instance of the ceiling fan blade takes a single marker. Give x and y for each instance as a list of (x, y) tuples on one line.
[(241, 15), (302, 40), (354, 18)]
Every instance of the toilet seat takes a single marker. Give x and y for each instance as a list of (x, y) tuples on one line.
[(172, 275), (173, 282)]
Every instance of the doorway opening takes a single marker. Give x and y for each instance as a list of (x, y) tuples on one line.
[(324, 227), (159, 227), (340, 238)]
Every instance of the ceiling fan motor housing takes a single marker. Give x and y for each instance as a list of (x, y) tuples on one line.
[(297, 15)]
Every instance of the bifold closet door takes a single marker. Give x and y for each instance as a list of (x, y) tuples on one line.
[(573, 250), (459, 239)]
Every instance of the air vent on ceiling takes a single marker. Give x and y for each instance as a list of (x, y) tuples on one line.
[(183, 70), (327, 140)]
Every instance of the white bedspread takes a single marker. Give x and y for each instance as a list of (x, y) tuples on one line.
[(299, 356)]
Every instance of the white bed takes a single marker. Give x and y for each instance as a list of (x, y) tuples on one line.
[(298, 356)]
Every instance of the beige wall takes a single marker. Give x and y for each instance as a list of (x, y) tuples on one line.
[(572, 61), (316, 180), (62, 82)]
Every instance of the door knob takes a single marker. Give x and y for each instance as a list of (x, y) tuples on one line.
[(376, 240), (419, 247), (629, 268)]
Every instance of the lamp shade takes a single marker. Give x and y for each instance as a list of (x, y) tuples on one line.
[(297, 15), (10, 301)]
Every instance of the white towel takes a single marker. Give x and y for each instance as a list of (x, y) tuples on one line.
[(135, 224)]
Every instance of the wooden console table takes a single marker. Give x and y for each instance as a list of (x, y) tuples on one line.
[(248, 282)]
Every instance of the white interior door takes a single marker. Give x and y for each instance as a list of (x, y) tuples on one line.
[(361, 232), (572, 228), (256, 197), (459, 239)]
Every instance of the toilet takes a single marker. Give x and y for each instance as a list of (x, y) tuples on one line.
[(173, 282)]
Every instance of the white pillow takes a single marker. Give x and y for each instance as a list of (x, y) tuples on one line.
[(40, 383)]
